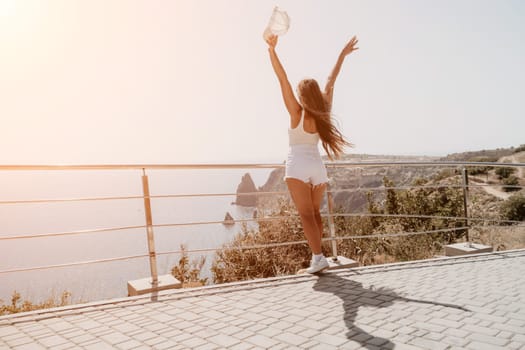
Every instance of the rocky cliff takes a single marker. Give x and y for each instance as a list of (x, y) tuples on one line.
[(350, 184), (246, 192)]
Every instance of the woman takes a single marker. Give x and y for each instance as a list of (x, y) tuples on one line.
[(310, 121)]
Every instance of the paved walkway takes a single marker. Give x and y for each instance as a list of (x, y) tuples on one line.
[(455, 303)]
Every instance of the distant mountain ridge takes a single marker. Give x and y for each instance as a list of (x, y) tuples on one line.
[(351, 184)]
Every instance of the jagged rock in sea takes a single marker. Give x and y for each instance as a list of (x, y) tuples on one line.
[(228, 219), (246, 192)]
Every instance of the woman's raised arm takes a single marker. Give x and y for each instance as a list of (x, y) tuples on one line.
[(329, 88), (293, 107)]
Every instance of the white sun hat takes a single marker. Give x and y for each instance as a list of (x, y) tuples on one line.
[(278, 24)]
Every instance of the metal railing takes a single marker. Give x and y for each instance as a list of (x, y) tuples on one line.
[(330, 215)]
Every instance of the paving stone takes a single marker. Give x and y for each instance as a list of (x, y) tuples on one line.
[(53, 341), (155, 341), (65, 346), (29, 347), (331, 339), (483, 346), (479, 329), (403, 346), (114, 338), (261, 340), (508, 328), (223, 340), (84, 338), (241, 346), (100, 345), (207, 346), (455, 341), (402, 338), (515, 345), (518, 338), (428, 344), (18, 341), (456, 332), (431, 327), (180, 338), (291, 338), (312, 324), (128, 345), (324, 347), (342, 310), (168, 344), (487, 339), (445, 323)]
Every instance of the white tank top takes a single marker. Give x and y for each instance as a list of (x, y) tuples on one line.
[(297, 135)]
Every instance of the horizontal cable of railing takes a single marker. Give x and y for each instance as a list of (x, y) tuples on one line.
[(251, 166), (327, 239), (255, 246), (234, 247), (258, 193), (247, 166), (78, 263), (262, 219)]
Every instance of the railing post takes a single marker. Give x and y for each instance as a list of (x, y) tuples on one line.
[(331, 225), (149, 228), (465, 200)]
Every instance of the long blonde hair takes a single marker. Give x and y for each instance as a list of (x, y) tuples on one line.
[(313, 101)]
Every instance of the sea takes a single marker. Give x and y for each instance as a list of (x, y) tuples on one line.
[(49, 213)]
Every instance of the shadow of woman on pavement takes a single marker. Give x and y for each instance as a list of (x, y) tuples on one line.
[(354, 296)]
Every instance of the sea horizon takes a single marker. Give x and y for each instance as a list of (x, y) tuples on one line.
[(71, 216)]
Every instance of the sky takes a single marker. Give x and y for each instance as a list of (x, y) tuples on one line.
[(168, 82)]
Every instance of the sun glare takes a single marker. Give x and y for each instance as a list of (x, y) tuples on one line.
[(18, 20), (7, 9)]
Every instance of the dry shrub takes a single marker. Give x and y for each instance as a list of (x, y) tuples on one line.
[(371, 251), (235, 264), (425, 201), (500, 238), (514, 207), (19, 305), (189, 273)]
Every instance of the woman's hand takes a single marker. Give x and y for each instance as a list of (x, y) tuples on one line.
[(272, 41), (350, 46)]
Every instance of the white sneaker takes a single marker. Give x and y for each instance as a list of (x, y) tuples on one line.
[(318, 266)]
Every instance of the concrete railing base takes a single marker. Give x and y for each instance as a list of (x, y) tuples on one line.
[(144, 285), (465, 248)]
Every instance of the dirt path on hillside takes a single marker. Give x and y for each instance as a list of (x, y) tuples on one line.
[(519, 158), (496, 191), (516, 158)]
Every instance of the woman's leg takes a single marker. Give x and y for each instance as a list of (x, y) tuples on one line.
[(302, 196), (317, 198)]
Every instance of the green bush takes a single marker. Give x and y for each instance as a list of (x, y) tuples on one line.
[(521, 148), (479, 170), (513, 208), (504, 172), (485, 158), (442, 201), (511, 181)]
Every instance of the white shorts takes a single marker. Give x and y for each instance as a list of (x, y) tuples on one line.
[(304, 163)]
